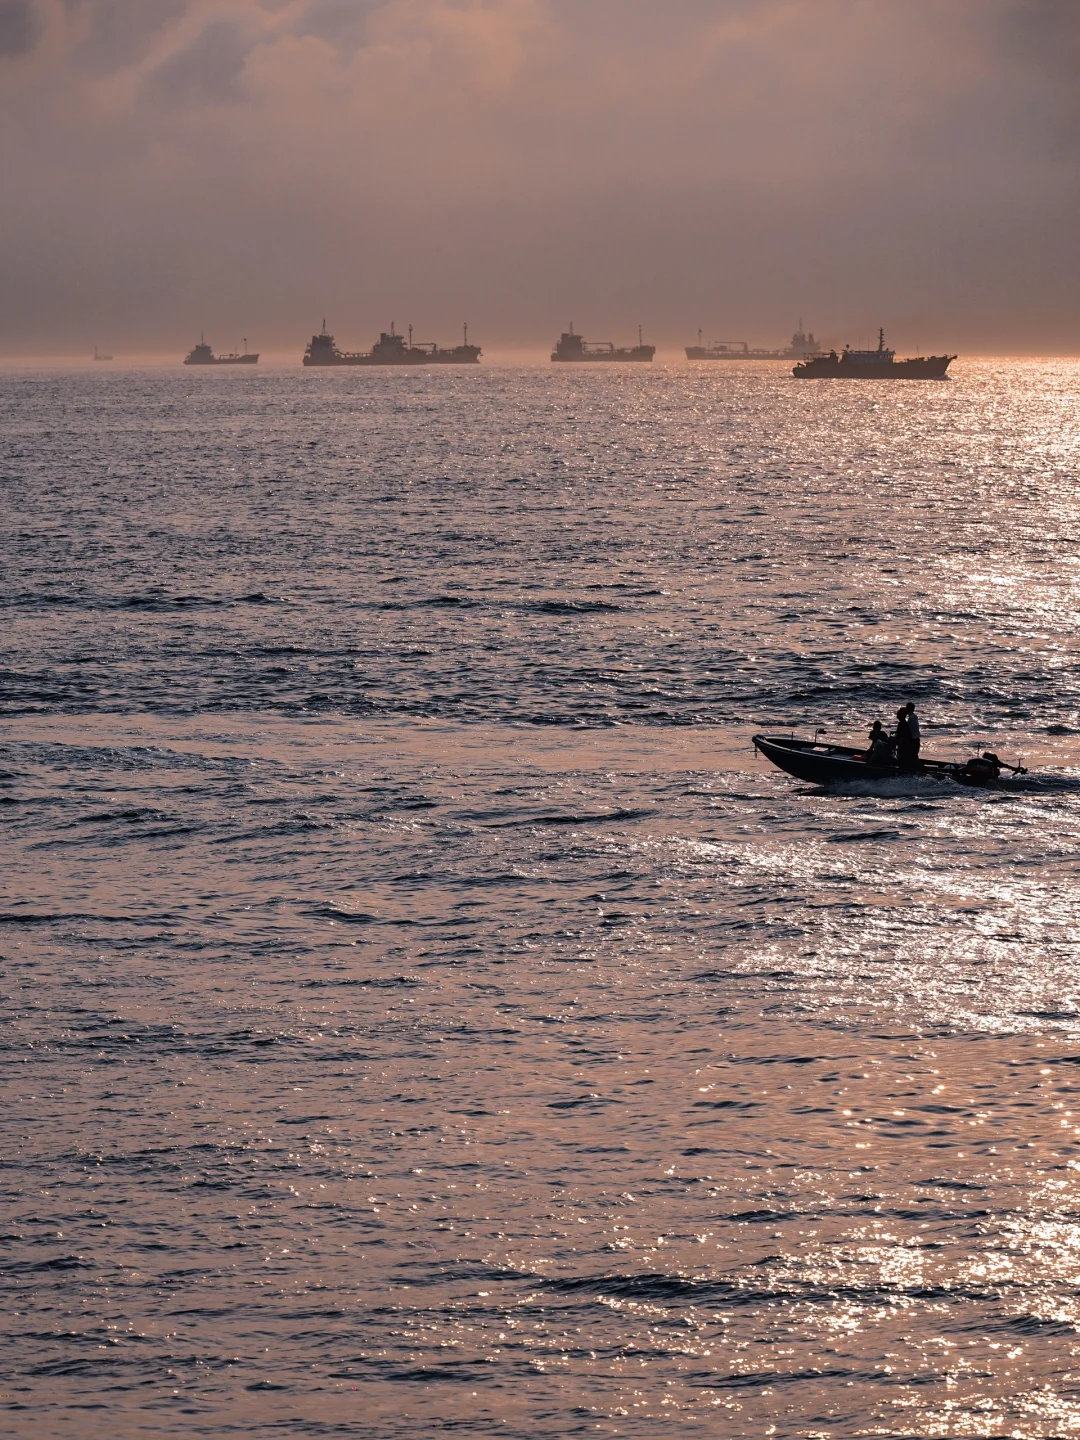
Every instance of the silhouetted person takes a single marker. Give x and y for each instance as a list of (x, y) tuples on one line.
[(913, 727), (881, 746), (907, 756)]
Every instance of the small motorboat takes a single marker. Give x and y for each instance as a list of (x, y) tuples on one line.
[(824, 764)]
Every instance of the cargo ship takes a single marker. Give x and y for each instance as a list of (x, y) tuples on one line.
[(573, 348), (390, 349), (801, 347), (879, 364), (463, 354), (99, 356), (202, 354)]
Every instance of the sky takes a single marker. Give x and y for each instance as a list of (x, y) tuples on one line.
[(249, 167)]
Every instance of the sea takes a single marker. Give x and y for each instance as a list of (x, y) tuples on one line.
[(424, 1013)]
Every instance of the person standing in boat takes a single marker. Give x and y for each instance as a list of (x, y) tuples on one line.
[(907, 754), (913, 727)]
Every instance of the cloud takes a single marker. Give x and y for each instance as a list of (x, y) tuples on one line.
[(20, 27), (516, 161), (113, 34), (205, 71), (341, 23)]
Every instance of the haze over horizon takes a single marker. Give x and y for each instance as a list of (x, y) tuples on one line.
[(249, 166)]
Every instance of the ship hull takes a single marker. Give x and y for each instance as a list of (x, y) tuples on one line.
[(642, 354), (225, 360), (933, 367), (699, 352), (345, 359), (459, 355)]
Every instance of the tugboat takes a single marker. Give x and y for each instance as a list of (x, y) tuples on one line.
[(202, 354), (801, 346), (390, 349), (879, 364), (573, 348)]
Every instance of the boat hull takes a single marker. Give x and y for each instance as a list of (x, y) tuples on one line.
[(223, 360), (822, 764), (827, 367)]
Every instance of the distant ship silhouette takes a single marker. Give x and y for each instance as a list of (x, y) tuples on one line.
[(202, 354), (390, 349), (801, 346), (573, 349)]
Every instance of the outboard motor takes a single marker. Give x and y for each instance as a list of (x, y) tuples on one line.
[(982, 769)]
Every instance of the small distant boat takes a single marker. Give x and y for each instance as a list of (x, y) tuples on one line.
[(202, 354), (879, 364), (574, 349), (823, 764), (99, 356)]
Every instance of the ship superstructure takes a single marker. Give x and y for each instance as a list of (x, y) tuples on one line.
[(203, 354), (390, 349), (573, 348), (802, 345), (879, 364)]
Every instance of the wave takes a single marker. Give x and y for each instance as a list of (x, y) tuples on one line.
[(601, 817)]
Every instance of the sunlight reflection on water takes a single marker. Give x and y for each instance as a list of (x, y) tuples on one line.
[(427, 1012)]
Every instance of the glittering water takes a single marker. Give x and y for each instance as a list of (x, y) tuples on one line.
[(424, 1012)]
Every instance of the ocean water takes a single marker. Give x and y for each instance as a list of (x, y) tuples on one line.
[(424, 1013)]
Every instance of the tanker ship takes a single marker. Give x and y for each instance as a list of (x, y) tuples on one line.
[(573, 348), (463, 354), (390, 349), (801, 346), (202, 354), (879, 364)]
